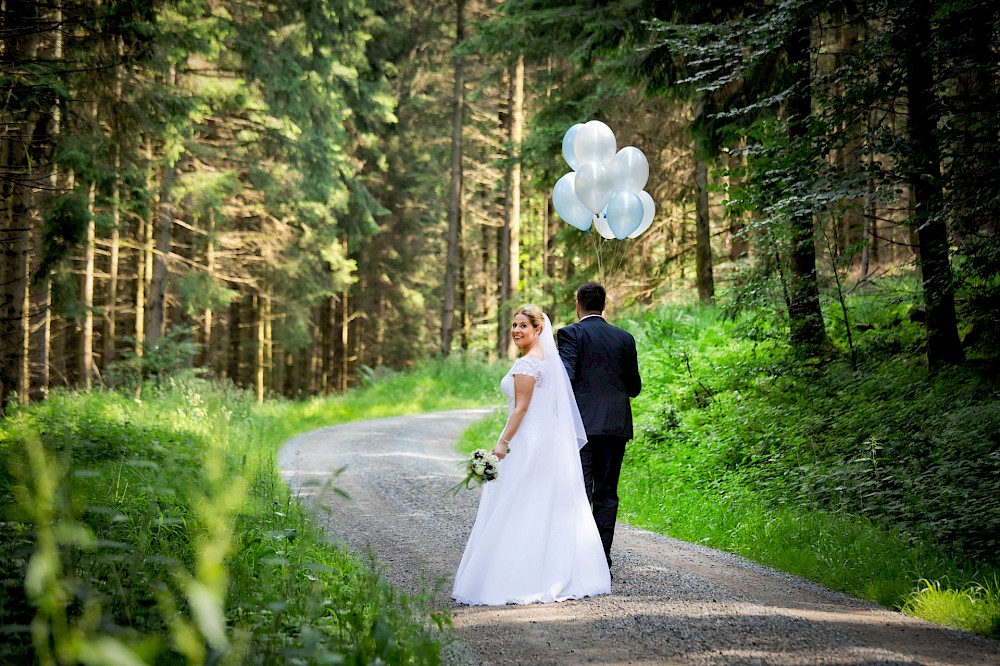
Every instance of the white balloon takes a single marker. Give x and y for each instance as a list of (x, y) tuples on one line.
[(594, 142), (593, 186), (601, 225), (648, 213), (624, 214), (629, 170), (568, 205), (567, 147)]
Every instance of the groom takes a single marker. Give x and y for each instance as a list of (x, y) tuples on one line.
[(603, 369)]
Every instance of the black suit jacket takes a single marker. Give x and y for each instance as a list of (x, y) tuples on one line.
[(604, 370)]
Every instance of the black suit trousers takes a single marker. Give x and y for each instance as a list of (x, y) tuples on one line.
[(601, 458)]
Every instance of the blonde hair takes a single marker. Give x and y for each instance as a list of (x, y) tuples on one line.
[(533, 313)]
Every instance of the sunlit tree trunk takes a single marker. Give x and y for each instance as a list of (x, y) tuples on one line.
[(510, 249), (208, 344), (157, 307), (269, 369), (345, 340), (143, 273), (111, 309), (258, 302), (235, 341), (86, 352), (455, 192), (514, 179), (156, 310)]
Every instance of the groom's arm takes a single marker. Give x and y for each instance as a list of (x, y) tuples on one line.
[(566, 342), (633, 382)]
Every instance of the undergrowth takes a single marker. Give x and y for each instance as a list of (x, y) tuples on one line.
[(158, 530), (877, 479)]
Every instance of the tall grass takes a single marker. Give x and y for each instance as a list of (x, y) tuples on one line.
[(158, 531)]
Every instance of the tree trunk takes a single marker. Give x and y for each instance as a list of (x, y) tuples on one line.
[(463, 291), (739, 247), (156, 309), (40, 322), (514, 179), (455, 193), (14, 244), (156, 312), (268, 359), (549, 250), (111, 309), (345, 337), (16, 160), (943, 344), (235, 342), (40, 298), (805, 317), (869, 247), (327, 345), (111, 312), (259, 338), (511, 234), (86, 358), (703, 234), (207, 349)]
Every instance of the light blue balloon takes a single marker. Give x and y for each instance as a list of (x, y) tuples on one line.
[(629, 170), (624, 214), (567, 147), (568, 205)]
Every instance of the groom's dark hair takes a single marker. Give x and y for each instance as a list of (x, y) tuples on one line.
[(591, 297)]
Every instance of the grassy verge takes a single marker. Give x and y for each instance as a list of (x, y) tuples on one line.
[(158, 531)]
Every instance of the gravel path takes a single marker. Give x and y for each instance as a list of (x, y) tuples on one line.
[(672, 602)]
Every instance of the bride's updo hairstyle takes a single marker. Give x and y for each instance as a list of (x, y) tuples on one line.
[(533, 313)]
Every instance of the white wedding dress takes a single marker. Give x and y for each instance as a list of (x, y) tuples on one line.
[(534, 539)]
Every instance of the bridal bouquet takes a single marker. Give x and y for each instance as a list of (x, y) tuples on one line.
[(482, 466)]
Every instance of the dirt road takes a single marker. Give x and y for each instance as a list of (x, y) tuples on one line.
[(672, 602)]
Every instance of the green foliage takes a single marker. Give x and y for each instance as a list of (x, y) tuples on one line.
[(199, 291), (164, 357), (974, 607), (302, 596), (64, 228), (455, 382), (159, 529), (866, 479)]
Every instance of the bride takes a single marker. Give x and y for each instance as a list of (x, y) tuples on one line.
[(534, 539)]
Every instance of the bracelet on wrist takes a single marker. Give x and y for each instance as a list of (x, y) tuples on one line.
[(505, 441)]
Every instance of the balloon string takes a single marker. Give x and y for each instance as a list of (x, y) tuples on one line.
[(608, 267)]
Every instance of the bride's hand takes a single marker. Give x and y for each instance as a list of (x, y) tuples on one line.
[(500, 450)]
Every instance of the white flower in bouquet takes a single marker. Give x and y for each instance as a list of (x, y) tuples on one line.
[(481, 467)]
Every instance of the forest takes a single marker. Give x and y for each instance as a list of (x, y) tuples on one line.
[(299, 199), (290, 195)]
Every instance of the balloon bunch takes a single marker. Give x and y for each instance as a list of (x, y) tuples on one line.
[(605, 188)]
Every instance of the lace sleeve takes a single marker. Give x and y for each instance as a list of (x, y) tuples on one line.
[(528, 365)]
